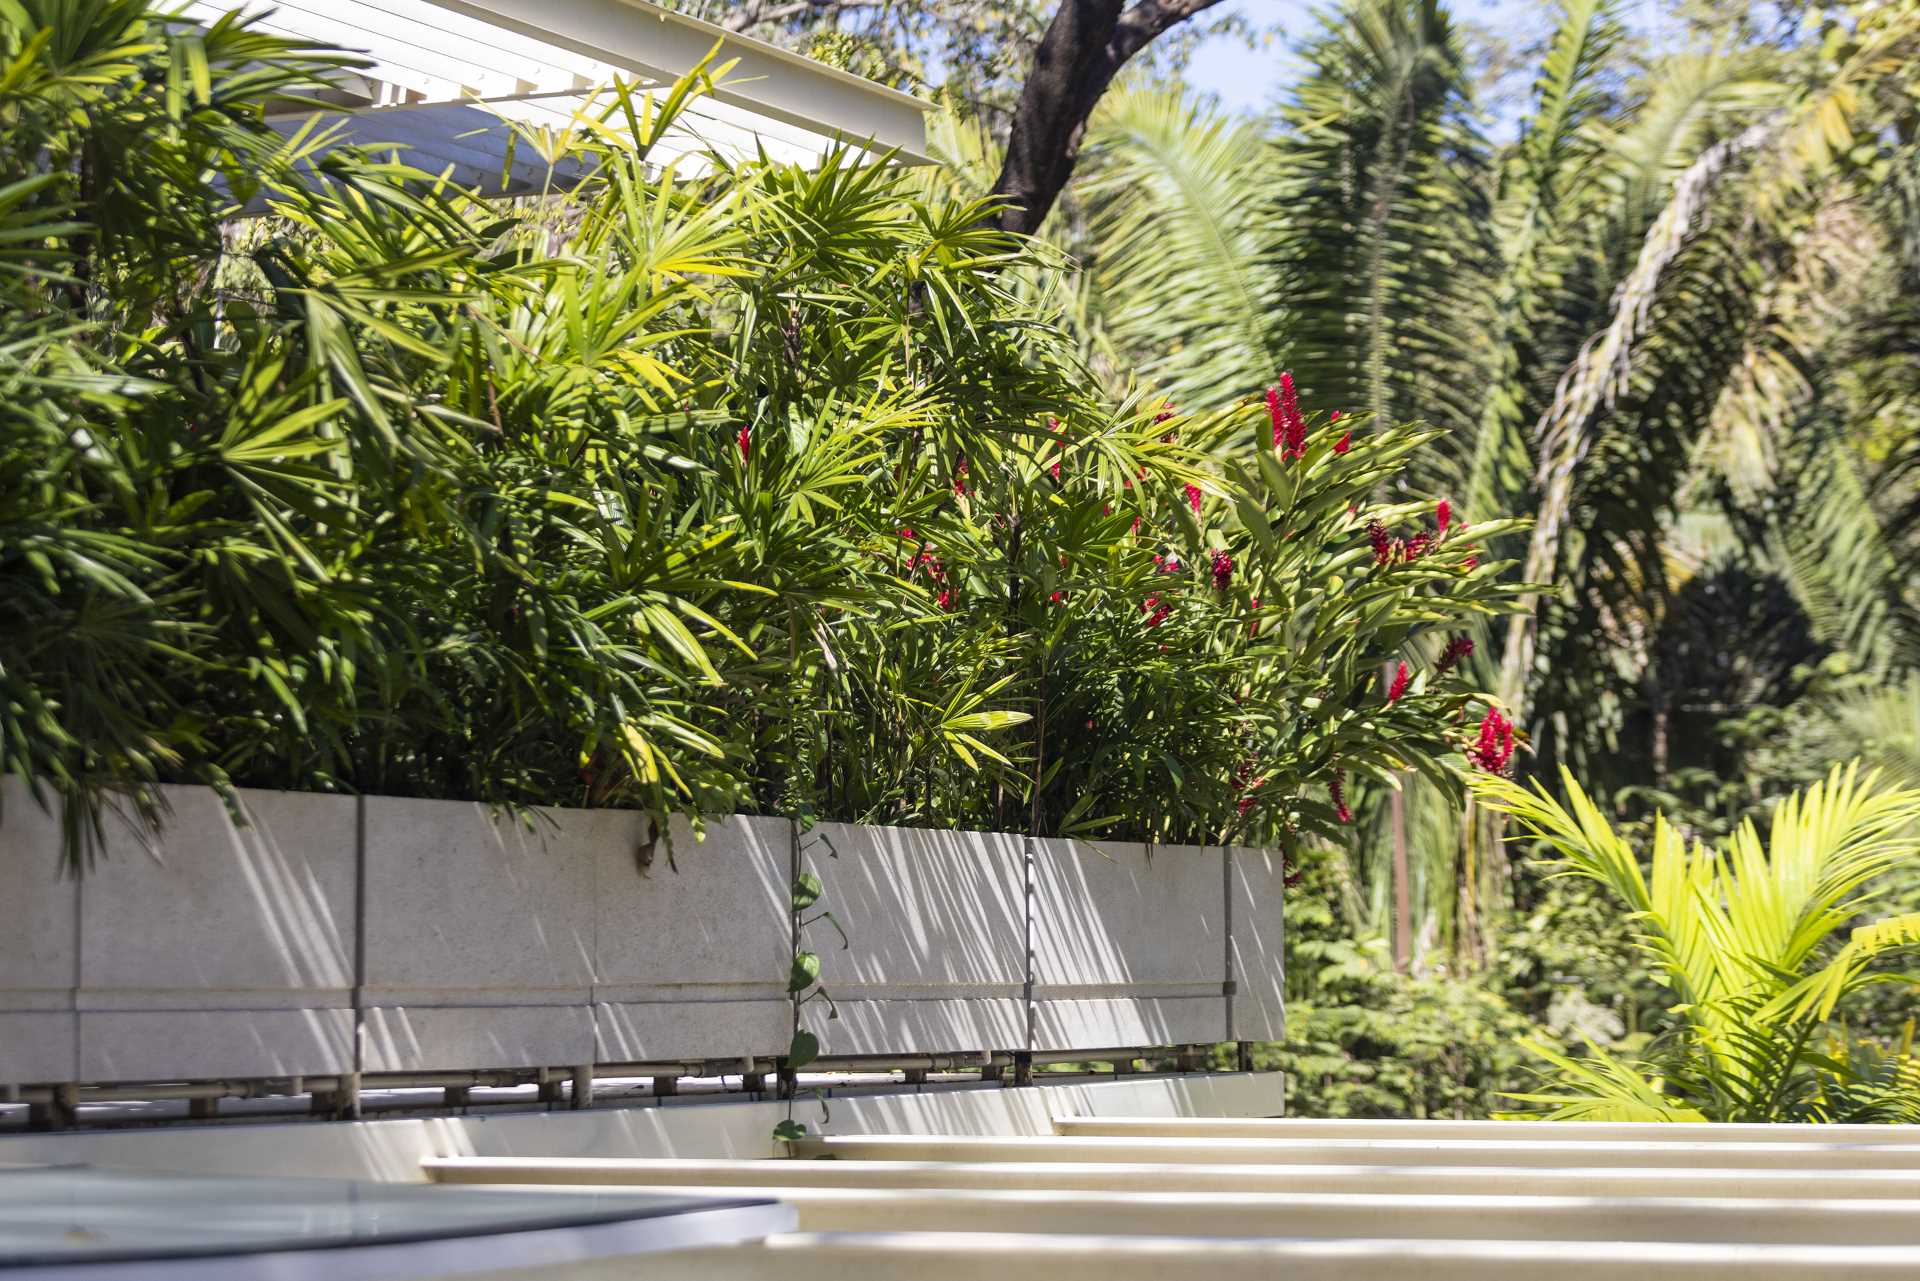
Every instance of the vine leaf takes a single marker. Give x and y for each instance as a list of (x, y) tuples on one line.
[(804, 1049), (806, 971)]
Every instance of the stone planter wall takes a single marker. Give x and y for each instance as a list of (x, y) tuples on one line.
[(335, 934)]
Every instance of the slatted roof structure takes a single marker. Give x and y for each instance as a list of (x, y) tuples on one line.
[(1120, 1199), (446, 77)]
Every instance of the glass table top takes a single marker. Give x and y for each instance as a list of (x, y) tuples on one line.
[(59, 1217)]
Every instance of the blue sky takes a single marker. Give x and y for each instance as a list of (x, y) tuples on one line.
[(1245, 78)]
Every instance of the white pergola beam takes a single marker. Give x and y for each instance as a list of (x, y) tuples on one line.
[(640, 39)]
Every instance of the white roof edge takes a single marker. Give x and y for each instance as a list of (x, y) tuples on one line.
[(646, 39)]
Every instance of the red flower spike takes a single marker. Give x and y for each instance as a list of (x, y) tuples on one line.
[(1193, 498), (1470, 562), (1293, 434), (1418, 546), (1058, 597), (1334, 417), (1401, 678), (945, 599), (1457, 648), (1345, 443), (1494, 748), (1222, 570), (907, 534), (1055, 470), (1279, 421), (960, 476), (1382, 545), (1443, 515), (1337, 789), (745, 441)]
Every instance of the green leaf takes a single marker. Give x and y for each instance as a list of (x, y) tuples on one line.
[(804, 1049)]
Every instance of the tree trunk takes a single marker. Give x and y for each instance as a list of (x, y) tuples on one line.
[(1402, 889), (1084, 48)]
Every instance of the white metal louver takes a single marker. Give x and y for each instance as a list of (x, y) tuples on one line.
[(446, 76)]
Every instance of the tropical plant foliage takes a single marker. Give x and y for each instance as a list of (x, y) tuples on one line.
[(1741, 939), (1667, 320), (761, 489)]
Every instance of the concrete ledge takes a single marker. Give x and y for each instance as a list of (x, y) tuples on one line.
[(930, 1025), (39, 944), (649, 1031), (1256, 894), (412, 1039), (1122, 917), (942, 912), (1123, 1021), (190, 1044), (327, 934)]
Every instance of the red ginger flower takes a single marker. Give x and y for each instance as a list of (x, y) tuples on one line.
[(1417, 546), (745, 441), (1289, 428), (1345, 443), (1055, 470), (1457, 648), (945, 599), (1382, 545), (1337, 789), (1494, 748), (1334, 417), (1193, 498), (960, 476), (1401, 678), (1443, 515), (1222, 570)]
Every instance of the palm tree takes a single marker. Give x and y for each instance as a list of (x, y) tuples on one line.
[(1588, 312), (1741, 939)]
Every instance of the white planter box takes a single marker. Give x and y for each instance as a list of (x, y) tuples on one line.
[(39, 945), (1129, 945), (1256, 889), (692, 954), (332, 934), (935, 955), (479, 933)]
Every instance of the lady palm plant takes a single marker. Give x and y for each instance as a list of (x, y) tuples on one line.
[(1746, 940), (766, 489)]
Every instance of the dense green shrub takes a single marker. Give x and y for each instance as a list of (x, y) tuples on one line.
[(765, 489), (1365, 1041)]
